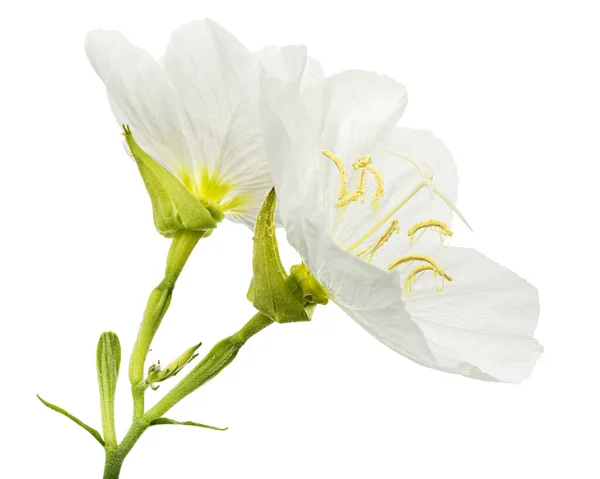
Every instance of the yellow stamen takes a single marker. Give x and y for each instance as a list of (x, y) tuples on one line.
[(358, 193), (343, 175), (379, 189), (412, 278), (420, 257), (436, 225), (384, 238), (430, 265), (416, 273), (364, 162)]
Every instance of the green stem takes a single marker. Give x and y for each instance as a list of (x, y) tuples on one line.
[(158, 303), (213, 363), (112, 464), (221, 355), (115, 457), (137, 393)]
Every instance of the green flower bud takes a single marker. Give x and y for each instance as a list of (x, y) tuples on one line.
[(108, 361), (156, 374)]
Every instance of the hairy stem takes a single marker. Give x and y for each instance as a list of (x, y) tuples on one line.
[(217, 359), (213, 363), (158, 303), (115, 457)]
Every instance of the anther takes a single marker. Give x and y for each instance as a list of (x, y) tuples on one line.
[(436, 225), (358, 193), (419, 257), (416, 273), (379, 189), (384, 238), (343, 175), (364, 162)]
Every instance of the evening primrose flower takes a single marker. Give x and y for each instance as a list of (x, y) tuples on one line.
[(195, 111), (369, 208)]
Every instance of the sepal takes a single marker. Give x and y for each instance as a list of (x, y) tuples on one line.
[(156, 374), (269, 291), (311, 290), (174, 207)]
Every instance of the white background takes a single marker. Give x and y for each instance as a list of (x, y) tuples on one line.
[(511, 87)]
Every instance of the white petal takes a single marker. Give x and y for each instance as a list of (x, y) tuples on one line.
[(280, 82), (368, 294), (348, 114), (140, 96), (312, 72), (480, 326), (364, 108), (361, 109), (483, 321), (217, 79)]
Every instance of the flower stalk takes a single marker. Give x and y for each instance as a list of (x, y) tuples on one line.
[(182, 246)]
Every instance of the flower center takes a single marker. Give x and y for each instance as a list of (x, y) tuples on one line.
[(215, 189), (346, 197)]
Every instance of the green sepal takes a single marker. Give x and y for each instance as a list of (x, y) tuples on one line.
[(250, 292), (174, 207), (77, 421), (156, 374), (311, 290), (108, 362), (270, 292), (163, 420)]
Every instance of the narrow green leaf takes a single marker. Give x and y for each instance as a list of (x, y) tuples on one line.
[(164, 420), (174, 207), (108, 361), (60, 410), (271, 295)]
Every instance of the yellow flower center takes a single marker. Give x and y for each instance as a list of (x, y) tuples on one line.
[(346, 197), (214, 188)]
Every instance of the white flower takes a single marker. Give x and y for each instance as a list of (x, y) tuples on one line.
[(195, 111), (349, 215)]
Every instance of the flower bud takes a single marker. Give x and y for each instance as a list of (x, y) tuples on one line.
[(156, 374)]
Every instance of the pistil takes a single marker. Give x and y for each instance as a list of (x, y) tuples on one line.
[(426, 181)]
